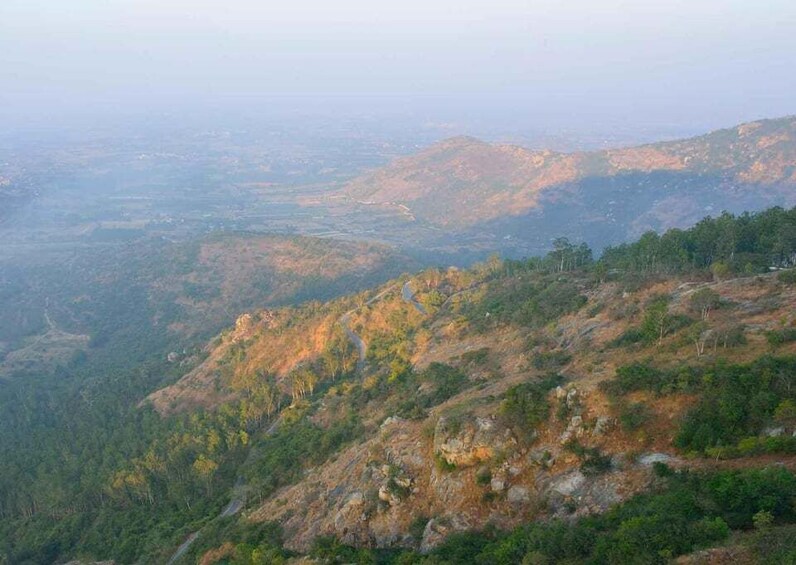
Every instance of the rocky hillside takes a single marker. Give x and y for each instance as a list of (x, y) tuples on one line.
[(609, 195), (634, 408), (509, 393)]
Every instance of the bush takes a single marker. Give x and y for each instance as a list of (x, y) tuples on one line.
[(447, 381), (780, 337), (637, 376), (477, 357), (633, 416), (630, 336), (551, 360), (689, 512), (787, 277), (593, 461), (526, 406), (737, 402)]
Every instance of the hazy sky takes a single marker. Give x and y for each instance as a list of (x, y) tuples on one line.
[(710, 62)]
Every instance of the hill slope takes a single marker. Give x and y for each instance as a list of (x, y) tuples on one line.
[(608, 196), (151, 295), (519, 391), (538, 394)]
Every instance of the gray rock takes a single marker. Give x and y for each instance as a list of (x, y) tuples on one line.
[(471, 441), (518, 495), (649, 459), (437, 529), (601, 425), (569, 483), (774, 432)]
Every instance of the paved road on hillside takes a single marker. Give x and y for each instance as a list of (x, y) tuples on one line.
[(358, 342), (236, 502), (409, 296)]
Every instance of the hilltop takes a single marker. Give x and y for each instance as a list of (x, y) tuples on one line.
[(605, 197)]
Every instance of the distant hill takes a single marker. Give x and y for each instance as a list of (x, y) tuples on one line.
[(604, 196), (152, 295)]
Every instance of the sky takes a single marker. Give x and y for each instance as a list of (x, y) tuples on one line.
[(572, 63)]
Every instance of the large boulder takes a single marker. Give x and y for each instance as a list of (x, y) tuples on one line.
[(468, 441)]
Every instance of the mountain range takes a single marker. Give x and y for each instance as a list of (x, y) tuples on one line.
[(464, 185)]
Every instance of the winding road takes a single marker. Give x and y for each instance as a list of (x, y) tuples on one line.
[(409, 296), (238, 498), (235, 505), (358, 342)]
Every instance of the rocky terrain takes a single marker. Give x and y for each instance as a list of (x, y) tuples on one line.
[(462, 467), (468, 421)]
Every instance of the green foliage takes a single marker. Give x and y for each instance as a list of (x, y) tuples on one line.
[(526, 406), (280, 458), (776, 338), (255, 543), (418, 527), (704, 301), (745, 244), (593, 462), (658, 322), (442, 464), (476, 357), (633, 416), (530, 301), (637, 376), (445, 381), (483, 477), (330, 550), (630, 336), (736, 402), (774, 545), (787, 277), (690, 512), (564, 257), (550, 360)]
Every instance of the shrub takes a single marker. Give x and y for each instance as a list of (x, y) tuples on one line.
[(418, 527), (551, 360), (637, 376), (630, 336), (780, 337), (704, 301), (526, 405), (483, 477), (633, 416), (593, 461), (477, 357), (442, 463), (787, 277), (688, 512)]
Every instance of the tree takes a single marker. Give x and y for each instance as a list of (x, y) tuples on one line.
[(657, 320), (704, 301), (205, 468), (720, 270), (699, 333)]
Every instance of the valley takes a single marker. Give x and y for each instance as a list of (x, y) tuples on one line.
[(477, 346)]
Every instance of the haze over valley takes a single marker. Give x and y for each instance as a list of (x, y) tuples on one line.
[(424, 283)]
